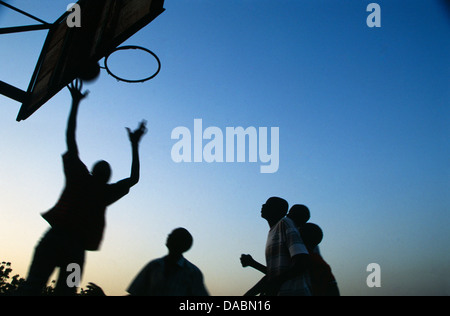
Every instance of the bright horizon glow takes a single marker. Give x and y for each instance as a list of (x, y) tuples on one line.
[(363, 117)]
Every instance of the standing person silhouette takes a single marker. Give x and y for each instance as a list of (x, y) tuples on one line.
[(323, 282), (78, 219), (171, 275), (299, 214), (286, 255)]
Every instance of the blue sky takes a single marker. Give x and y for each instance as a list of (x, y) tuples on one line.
[(363, 115)]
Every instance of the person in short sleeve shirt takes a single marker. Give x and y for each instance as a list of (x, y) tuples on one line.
[(283, 244), (287, 257)]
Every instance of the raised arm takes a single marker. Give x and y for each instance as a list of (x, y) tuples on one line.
[(75, 90), (135, 138)]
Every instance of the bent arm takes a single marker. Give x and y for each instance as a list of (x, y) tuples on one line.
[(260, 267), (248, 261), (258, 288)]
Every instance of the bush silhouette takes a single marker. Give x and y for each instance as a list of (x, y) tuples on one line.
[(8, 285)]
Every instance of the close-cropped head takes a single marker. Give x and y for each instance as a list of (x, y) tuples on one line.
[(179, 241), (274, 207), (299, 214), (312, 235), (101, 171)]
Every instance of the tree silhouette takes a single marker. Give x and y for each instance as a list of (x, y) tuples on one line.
[(8, 285)]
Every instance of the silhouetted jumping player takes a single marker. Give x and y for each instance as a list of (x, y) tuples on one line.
[(171, 275), (323, 282), (286, 255), (78, 219)]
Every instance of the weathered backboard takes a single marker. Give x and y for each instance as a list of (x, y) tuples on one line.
[(105, 24)]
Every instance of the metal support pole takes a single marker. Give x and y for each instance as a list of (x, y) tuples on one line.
[(23, 12), (12, 92), (25, 28)]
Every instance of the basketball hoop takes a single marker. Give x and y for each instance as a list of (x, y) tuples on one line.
[(129, 48)]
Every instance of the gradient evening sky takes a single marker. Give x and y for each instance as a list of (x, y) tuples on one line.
[(364, 121)]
